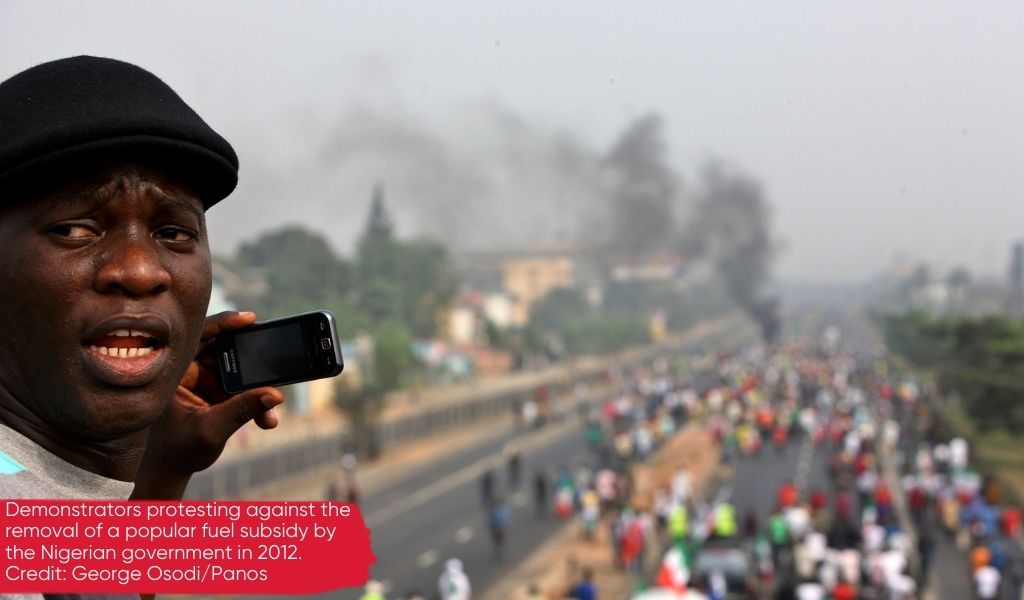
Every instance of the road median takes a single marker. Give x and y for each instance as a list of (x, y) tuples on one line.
[(557, 564)]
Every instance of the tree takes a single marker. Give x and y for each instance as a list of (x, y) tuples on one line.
[(406, 282), (982, 359), (301, 273), (960, 277), (392, 356), (387, 371), (429, 282), (377, 260), (921, 276), (559, 306), (604, 334)]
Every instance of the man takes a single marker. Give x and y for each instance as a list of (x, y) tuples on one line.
[(453, 584), (108, 384), (584, 589)]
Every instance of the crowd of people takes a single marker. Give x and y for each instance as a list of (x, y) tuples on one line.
[(838, 537), (953, 504), (864, 525)]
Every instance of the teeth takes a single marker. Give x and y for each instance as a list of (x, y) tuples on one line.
[(121, 352), (129, 333)]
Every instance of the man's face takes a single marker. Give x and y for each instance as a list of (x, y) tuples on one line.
[(104, 284)]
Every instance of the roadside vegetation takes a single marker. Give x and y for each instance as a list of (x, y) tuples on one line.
[(978, 361)]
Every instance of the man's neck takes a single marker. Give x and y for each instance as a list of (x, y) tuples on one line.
[(115, 459)]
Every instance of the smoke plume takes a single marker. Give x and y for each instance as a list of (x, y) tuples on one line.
[(491, 180), (643, 190), (487, 179), (729, 227)]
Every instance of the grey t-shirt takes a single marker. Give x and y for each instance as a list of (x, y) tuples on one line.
[(27, 470)]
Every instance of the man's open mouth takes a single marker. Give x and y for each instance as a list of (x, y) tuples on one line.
[(124, 343), (127, 351)]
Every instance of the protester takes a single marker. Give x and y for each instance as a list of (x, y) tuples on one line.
[(498, 521), (986, 582), (105, 176), (453, 583), (373, 590), (584, 589)]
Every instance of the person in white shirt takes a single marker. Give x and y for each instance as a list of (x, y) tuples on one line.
[(986, 582), (453, 583), (958, 453), (810, 590)]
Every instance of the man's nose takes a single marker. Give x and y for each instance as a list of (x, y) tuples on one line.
[(131, 265)]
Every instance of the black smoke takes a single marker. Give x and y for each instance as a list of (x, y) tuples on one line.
[(489, 179), (727, 225), (643, 190), (729, 228)]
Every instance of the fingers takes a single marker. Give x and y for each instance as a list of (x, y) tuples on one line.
[(270, 398), (226, 417), (225, 321), (266, 420)]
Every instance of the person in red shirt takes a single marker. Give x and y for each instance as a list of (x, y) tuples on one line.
[(844, 504), (836, 433), (818, 500), (860, 464), (788, 495), (1011, 521), (780, 435), (917, 499), (844, 591)]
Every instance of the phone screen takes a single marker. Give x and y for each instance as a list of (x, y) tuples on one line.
[(272, 353)]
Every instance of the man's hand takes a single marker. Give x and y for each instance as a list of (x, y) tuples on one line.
[(191, 434)]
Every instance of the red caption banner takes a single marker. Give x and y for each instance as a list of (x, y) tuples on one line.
[(207, 547)]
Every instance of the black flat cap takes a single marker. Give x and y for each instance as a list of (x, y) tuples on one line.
[(62, 113)]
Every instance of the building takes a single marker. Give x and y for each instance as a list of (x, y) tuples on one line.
[(528, 279)]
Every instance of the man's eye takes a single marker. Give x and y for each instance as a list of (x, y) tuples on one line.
[(175, 234), (74, 231)]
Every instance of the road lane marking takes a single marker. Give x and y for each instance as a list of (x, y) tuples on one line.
[(543, 436), (464, 534), (428, 493), (426, 559), (425, 494), (803, 466)]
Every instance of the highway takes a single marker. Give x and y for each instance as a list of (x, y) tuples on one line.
[(425, 518), (423, 521), (428, 517), (756, 479)]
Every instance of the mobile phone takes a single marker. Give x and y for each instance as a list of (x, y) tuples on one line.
[(280, 351)]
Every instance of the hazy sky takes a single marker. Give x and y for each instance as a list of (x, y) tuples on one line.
[(877, 129)]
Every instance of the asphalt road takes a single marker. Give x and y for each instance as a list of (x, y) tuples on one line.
[(424, 519), (756, 479), (420, 522)]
